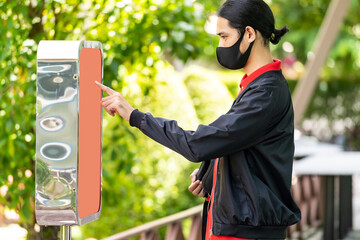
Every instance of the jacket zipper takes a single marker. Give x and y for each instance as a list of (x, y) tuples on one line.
[(212, 196)]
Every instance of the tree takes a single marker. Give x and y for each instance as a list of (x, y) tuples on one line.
[(132, 52)]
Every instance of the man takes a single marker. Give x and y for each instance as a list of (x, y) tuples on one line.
[(251, 147)]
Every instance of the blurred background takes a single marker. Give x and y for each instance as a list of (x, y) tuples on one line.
[(160, 54)]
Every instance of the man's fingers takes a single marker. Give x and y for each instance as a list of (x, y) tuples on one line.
[(194, 185), (193, 175), (111, 113), (107, 103), (113, 108), (108, 108), (197, 190), (201, 194), (108, 97), (105, 88)]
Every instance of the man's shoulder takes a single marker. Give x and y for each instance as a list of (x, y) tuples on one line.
[(270, 88), (269, 78)]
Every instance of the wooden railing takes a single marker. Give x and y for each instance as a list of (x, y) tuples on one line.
[(306, 191), (149, 231)]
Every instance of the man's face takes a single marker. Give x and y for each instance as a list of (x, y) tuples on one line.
[(228, 35)]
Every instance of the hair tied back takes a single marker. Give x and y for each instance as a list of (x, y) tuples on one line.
[(278, 34)]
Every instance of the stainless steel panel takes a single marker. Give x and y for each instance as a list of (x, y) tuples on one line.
[(56, 142)]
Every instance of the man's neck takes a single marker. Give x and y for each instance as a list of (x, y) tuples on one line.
[(258, 59)]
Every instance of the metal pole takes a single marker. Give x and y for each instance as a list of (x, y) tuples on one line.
[(65, 233)]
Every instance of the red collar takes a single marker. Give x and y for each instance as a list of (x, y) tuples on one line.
[(275, 65)]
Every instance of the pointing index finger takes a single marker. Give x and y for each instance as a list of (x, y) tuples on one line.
[(105, 88)]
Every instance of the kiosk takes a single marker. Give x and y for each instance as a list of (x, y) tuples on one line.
[(68, 134)]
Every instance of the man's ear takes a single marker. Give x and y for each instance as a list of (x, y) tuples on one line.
[(250, 34)]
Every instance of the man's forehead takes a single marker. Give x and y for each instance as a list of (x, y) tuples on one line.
[(223, 26)]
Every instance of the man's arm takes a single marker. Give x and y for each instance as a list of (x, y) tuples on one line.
[(244, 125)]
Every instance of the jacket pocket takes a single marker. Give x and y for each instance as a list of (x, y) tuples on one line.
[(272, 211), (234, 207)]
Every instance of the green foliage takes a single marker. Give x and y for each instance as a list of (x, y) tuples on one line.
[(208, 93), (304, 18), (17, 112), (137, 37)]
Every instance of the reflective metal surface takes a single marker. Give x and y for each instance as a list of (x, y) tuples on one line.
[(57, 110), (65, 233)]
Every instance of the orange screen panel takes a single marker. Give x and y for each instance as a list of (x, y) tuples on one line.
[(89, 186)]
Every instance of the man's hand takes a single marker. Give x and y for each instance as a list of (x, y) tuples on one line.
[(115, 102), (196, 186)]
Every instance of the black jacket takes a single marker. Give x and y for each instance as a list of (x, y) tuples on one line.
[(254, 141)]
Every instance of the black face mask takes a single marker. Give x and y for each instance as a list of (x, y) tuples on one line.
[(231, 57)]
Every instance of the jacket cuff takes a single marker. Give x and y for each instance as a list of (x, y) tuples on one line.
[(135, 118)]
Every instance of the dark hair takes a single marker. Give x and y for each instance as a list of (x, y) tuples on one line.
[(254, 13)]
